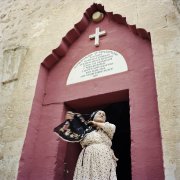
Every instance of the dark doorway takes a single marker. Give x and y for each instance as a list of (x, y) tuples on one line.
[(118, 114)]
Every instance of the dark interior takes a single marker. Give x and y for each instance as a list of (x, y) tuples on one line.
[(118, 114)]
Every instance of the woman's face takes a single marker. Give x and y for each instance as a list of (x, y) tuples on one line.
[(100, 116)]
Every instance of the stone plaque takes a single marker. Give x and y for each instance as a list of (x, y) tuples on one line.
[(11, 63), (97, 64)]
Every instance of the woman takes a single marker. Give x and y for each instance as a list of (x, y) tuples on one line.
[(96, 160)]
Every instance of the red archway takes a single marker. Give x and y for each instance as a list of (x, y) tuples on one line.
[(43, 154)]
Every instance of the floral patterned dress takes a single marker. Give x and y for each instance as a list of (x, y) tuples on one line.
[(97, 160)]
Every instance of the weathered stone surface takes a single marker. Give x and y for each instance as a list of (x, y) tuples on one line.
[(40, 25), (12, 59), (177, 4)]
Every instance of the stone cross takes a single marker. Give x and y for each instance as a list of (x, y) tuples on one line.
[(97, 35)]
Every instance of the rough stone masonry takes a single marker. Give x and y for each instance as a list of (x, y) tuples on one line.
[(29, 30)]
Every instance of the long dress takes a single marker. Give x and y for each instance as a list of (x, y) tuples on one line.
[(97, 160)]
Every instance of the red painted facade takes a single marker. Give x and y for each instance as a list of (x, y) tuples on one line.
[(43, 153)]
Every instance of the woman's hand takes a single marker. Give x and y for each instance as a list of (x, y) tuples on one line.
[(96, 124), (92, 123), (69, 115)]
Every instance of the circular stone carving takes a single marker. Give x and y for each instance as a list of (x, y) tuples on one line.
[(97, 64), (97, 16)]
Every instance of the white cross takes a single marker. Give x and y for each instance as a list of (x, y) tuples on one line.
[(97, 35)]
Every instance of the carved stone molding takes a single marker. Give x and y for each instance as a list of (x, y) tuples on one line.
[(80, 27)]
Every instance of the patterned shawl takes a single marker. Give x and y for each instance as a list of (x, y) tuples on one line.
[(74, 130)]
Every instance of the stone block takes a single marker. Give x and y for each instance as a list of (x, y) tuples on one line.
[(11, 63)]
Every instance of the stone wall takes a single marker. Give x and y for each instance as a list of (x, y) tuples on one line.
[(29, 30)]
